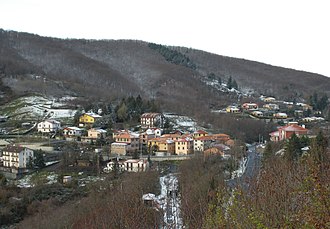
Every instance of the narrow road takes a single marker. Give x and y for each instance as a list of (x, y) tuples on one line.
[(252, 169)]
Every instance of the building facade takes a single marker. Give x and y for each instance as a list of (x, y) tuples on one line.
[(49, 126), (152, 120), (16, 156)]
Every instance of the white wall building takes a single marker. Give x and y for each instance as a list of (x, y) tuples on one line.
[(131, 165), (16, 156), (72, 131), (49, 126)]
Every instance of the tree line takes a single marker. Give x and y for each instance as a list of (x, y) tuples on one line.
[(173, 56)]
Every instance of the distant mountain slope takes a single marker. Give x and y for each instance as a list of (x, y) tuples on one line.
[(111, 69), (266, 79)]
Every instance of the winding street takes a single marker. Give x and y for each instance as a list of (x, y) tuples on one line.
[(252, 167)]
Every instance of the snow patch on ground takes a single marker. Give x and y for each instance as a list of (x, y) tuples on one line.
[(38, 106), (182, 122), (30, 181), (170, 202), (241, 169)]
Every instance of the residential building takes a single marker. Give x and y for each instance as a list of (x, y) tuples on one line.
[(16, 156), (250, 106), (162, 144), (149, 134), (269, 99), (280, 115), (151, 120), (200, 133), (202, 143), (131, 165), (72, 131), (232, 109), (130, 138), (172, 136), (221, 138), (271, 106), (119, 148), (88, 119), (96, 133), (154, 131), (184, 146), (49, 126), (214, 151), (257, 114), (285, 132)]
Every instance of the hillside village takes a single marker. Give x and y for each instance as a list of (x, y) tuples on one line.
[(156, 136), (70, 148), (270, 109), (149, 140)]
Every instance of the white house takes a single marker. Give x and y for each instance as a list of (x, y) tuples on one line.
[(157, 132), (202, 143), (131, 165), (16, 156), (257, 114), (72, 131), (280, 115), (49, 126)]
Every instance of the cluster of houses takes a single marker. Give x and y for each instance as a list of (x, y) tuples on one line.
[(124, 142), (84, 132), (271, 108), (152, 140)]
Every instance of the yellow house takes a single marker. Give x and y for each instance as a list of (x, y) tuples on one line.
[(88, 119), (162, 145), (184, 146), (200, 133), (232, 109)]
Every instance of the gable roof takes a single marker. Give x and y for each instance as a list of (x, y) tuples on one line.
[(92, 114), (97, 130), (200, 132), (72, 128), (150, 115), (294, 127), (14, 148)]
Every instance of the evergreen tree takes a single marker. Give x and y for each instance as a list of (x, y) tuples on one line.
[(293, 148), (319, 147), (39, 161), (322, 103), (139, 105), (219, 81), (268, 151), (305, 141), (230, 83), (234, 85), (76, 117), (122, 112)]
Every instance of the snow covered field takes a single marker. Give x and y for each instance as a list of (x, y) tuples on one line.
[(38, 107), (182, 122)]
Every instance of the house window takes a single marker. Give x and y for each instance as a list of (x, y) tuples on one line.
[(182, 147), (178, 148)]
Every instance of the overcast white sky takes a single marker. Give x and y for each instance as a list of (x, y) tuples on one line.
[(288, 33)]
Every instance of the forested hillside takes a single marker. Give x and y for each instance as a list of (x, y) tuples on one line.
[(110, 69)]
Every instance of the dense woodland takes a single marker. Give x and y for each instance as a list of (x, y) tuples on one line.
[(113, 69)]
